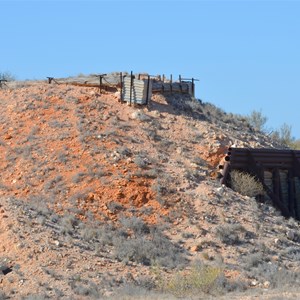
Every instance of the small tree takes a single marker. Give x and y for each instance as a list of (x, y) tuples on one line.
[(7, 76), (257, 120), (296, 144), (283, 136)]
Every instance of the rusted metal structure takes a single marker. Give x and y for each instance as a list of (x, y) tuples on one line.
[(183, 85), (277, 170), (133, 88)]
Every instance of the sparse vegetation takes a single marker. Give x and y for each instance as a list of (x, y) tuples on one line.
[(283, 136), (114, 203), (257, 120), (230, 234), (7, 76), (199, 280), (295, 144), (147, 245), (245, 184)]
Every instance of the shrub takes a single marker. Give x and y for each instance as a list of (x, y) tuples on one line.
[(212, 112), (257, 120), (78, 177), (90, 291), (136, 225), (7, 76), (295, 144), (115, 207), (67, 224), (148, 246), (62, 157), (245, 184), (253, 260), (230, 234), (141, 162), (278, 276), (3, 296), (283, 136), (200, 279)]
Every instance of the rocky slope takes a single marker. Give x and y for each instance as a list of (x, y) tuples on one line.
[(101, 199)]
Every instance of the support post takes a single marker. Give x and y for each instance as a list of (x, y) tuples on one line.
[(180, 85), (148, 87), (291, 192), (193, 88), (121, 83), (50, 79), (100, 81), (131, 84)]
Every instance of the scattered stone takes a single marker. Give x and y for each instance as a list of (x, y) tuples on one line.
[(57, 243), (139, 115), (195, 248), (290, 235), (253, 283)]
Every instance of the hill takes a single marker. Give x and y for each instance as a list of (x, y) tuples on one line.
[(101, 199)]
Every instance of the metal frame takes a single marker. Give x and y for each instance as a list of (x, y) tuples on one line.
[(257, 161)]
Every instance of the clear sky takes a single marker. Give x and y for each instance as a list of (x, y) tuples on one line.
[(246, 54)]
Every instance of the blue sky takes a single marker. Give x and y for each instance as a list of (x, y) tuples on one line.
[(246, 54)]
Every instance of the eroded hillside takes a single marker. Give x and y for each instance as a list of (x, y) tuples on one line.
[(97, 196)]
